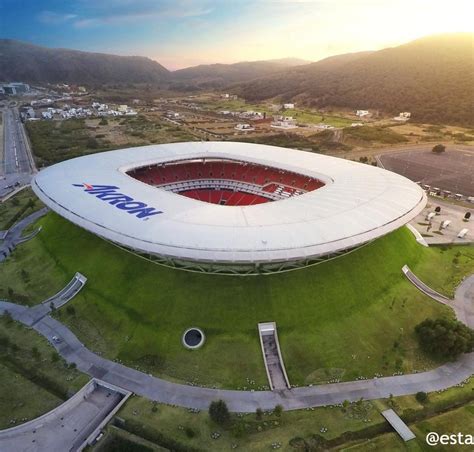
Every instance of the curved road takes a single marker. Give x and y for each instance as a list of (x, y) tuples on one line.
[(167, 392), (13, 236)]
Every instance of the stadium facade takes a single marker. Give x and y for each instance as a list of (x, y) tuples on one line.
[(225, 207)]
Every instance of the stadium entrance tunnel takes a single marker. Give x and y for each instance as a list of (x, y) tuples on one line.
[(193, 338)]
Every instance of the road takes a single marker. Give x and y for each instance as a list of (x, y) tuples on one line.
[(17, 165)]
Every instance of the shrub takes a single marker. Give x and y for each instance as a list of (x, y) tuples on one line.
[(445, 338), (421, 396), (258, 414), (439, 149), (219, 412), (278, 410)]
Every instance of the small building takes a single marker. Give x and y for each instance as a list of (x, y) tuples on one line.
[(403, 116), (284, 122), (244, 128), (289, 106), (362, 113)]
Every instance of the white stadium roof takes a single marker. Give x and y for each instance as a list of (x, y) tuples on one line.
[(358, 204)]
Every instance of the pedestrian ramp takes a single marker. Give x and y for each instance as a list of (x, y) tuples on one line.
[(276, 373)]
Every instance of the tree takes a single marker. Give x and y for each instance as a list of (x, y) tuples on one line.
[(445, 338), (258, 414), (439, 149), (467, 216), (219, 412)]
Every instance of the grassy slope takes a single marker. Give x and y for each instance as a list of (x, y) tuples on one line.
[(31, 386), (135, 311), (14, 209)]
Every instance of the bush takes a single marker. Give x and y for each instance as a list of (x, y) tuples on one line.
[(445, 338), (219, 412), (278, 410), (439, 149), (421, 397)]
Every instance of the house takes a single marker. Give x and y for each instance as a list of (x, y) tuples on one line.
[(403, 116), (288, 106), (284, 122), (362, 113)]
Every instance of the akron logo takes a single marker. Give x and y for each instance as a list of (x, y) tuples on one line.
[(111, 195)]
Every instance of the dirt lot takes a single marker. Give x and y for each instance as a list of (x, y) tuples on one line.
[(453, 170)]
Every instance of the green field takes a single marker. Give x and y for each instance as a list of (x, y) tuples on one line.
[(310, 117), (17, 207), (54, 141), (368, 134), (351, 317), (32, 380)]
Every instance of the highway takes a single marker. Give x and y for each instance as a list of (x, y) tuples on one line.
[(17, 164)]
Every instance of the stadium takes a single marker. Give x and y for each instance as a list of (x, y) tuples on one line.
[(231, 208)]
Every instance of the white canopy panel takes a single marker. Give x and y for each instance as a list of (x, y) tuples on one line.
[(358, 203)]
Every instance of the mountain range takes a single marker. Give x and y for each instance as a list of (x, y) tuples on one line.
[(432, 77)]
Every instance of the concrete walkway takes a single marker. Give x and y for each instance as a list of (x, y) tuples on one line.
[(421, 286), (13, 237), (167, 392)]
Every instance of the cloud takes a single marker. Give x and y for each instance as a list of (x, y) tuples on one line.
[(52, 18), (114, 12)]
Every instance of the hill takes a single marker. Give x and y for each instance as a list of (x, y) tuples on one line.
[(221, 75), (34, 64), (432, 77)]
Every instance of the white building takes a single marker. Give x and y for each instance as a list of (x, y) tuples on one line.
[(288, 106), (284, 122), (403, 116), (362, 113)]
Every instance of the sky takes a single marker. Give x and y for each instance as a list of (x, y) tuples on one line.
[(182, 33)]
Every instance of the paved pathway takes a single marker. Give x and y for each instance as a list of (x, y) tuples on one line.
[(13, 236), (164, 391), (420, 285)]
